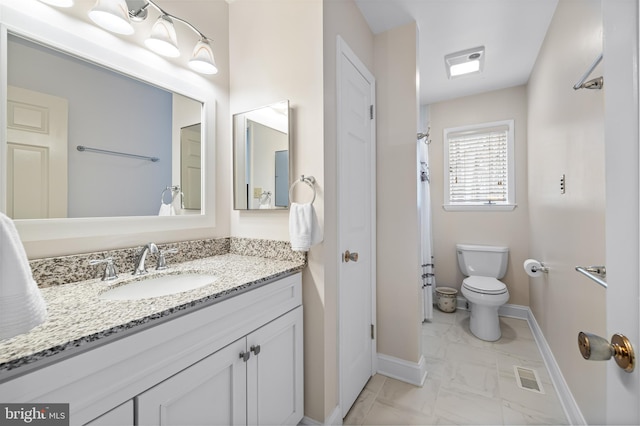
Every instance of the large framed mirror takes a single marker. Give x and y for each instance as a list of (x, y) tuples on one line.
[(125, 111), (261, 146), (85, 141)]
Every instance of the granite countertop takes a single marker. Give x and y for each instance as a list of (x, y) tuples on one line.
[(78, 319)]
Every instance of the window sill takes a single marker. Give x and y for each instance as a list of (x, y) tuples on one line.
[(479, 207)]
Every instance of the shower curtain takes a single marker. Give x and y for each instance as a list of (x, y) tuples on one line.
[(426, 239)]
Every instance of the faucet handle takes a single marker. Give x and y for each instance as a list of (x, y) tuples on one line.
[(110, 272), (162, 262)]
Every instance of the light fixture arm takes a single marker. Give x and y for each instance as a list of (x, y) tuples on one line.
[(141, 14)]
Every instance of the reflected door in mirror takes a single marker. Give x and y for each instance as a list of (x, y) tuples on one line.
[(36, 155)]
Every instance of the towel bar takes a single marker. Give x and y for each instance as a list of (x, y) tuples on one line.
[(592, 271), (83, 148)]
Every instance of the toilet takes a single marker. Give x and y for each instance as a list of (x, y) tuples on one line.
[(483, 266)]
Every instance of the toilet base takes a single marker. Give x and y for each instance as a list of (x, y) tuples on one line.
[(484, 322)]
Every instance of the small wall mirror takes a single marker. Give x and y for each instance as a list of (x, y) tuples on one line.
[(261, 146)]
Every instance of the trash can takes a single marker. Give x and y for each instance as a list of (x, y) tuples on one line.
[(447, 299)]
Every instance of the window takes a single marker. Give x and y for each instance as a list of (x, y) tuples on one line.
[(479, 167)]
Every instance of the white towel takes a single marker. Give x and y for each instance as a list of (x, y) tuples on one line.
[(167, 210), (21, 304), (304, 229)]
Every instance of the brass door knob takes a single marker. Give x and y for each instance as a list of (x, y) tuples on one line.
[(596, 348), (348, 256)]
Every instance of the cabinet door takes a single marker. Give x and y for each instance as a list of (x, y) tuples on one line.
[(210, 392), (275, 372), (122, 415)]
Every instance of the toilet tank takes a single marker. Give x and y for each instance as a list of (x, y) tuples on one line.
[(484, 261)]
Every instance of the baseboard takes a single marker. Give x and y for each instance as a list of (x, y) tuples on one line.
[(410, 372), (334, 419), (514, 311), (569, 404)]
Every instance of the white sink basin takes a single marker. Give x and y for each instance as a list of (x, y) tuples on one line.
[(158, 286)]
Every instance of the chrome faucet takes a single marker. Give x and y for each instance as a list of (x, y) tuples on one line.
[(142, 256)]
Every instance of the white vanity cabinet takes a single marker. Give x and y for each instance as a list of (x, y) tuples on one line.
[(122, 415), (256, 380), (186, 368)]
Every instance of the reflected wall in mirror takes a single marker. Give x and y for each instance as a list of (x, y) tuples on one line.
[(261, 146), (56, 103)]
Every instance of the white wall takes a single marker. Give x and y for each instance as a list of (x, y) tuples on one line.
[(398, 258), (566, 136), (276, 54), (504, 228)]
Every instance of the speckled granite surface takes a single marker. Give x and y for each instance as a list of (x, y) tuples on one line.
[(55, 271), (77, 317)]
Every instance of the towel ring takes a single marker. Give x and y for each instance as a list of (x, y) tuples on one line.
[(175, 190), (309, 180)]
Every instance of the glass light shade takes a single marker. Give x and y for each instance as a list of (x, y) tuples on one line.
[(163, 39), (202, 60), (112, 15), (58, 3)]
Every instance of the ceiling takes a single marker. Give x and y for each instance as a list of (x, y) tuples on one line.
[(512, 32)]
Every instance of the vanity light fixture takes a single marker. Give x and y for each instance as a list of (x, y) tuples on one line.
[(464, 62), (163, 39)]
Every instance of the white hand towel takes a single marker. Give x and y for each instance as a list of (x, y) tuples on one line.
[(304, 229), (167, 210), (21, 304)]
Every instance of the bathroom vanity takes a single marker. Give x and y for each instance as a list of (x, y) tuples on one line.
[(226, 353)]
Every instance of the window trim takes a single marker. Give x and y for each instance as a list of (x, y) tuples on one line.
[(510, 204)]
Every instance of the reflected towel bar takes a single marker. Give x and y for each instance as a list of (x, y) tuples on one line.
[(596, 273), (121, 154)]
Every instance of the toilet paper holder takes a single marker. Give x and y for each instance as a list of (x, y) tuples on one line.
[(535, 268), (542, 268)]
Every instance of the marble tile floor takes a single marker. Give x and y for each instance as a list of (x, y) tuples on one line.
[(469, 381)]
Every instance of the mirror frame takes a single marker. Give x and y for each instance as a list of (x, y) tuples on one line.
[(235, 159), (104, 49)]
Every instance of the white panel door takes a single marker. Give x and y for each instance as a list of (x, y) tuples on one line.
[(36, 154), (356, 220), (210, 392), (622, 238), (275, 372)]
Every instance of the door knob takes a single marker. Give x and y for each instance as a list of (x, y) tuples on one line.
[(597, 348), (350, 256)]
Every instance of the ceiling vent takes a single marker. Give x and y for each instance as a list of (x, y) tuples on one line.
[(470, 61)]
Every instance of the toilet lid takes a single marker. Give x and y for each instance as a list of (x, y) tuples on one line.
[(486, 285)]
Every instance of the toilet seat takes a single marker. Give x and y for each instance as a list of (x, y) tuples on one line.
[(484, 285)]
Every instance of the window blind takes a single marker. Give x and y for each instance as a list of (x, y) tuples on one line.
[(478, 166)]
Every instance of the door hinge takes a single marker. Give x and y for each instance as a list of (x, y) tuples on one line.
[(371, 112), (373, 332)]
